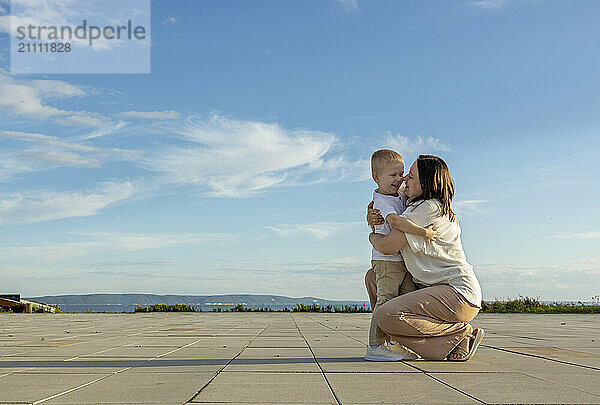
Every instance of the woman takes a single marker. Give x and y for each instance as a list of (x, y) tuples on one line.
[(433, 321)]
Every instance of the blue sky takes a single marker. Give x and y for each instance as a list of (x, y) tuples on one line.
[(240, 164)]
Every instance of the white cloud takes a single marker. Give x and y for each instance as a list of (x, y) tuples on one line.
[(133, 263), (103, 131), (332, 278), (28, 98), (489, 4), (135, 242), (62, 159), (51, 151), (231, 158), (156, 115), (3, 10), (331, 266), (348, 5), (46, 253), (21, 99), (4, 23), (420, 145), (580, 235), (47, 140), (338, 168), (55, 89), (105, 242), (573, 280), (83, 119), (38, 206), (469, 206), (12, 165), (170, 20), (317, 230)]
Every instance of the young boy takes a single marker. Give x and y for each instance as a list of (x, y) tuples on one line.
[(392, 279)]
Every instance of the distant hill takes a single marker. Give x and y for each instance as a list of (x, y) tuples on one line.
[(128, 302)]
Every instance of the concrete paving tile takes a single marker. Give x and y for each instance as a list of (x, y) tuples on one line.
[(7, 371), (274, 352), (515, 388), (193, 352), (556, 353), (331, 342), (322, 335), (28, 362), (275, 359), (245, 403), (352, 360), (178, 368), (70, 351), (87, 365), (155, 341), (131, 352), (51, 343), (278, 342), (57, 402), (284, 335), (10, 351), (45, 355), (180, 364), (571, 377), (139, 388), (583, 344), (267, 388), (398, 388), (77, 366), (42, 371), (15, 388), (283, 365), (91, 362), (488, 360), (510, 341), (291, 331), (218, 341)]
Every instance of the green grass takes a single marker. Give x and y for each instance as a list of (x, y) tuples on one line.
[(329, 309), (13, 310), (21, 309), (166, 308), (526, 305)]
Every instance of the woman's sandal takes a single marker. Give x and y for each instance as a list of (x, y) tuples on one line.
[(476, 337)]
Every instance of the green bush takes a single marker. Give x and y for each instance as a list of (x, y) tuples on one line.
[(527, 305), (165, 308), (329, 309), (13, 310)]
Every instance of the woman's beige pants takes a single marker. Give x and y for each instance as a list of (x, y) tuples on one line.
[(430, 321)]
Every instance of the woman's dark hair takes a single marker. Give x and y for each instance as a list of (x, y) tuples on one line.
[(436, 182)]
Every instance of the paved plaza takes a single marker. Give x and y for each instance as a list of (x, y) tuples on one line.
[(176, 358)]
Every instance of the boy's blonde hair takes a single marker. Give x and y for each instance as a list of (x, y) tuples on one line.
[(383, 157)]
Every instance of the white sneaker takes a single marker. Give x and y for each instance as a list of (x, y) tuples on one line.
[(382, 353), (399, 349)]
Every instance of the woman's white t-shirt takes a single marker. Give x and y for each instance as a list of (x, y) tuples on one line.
[(442, 261)]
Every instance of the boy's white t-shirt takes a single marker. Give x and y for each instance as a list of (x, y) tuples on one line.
[(387, 204), (442, 261)]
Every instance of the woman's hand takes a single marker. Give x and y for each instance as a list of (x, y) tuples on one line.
[(373, 217)]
